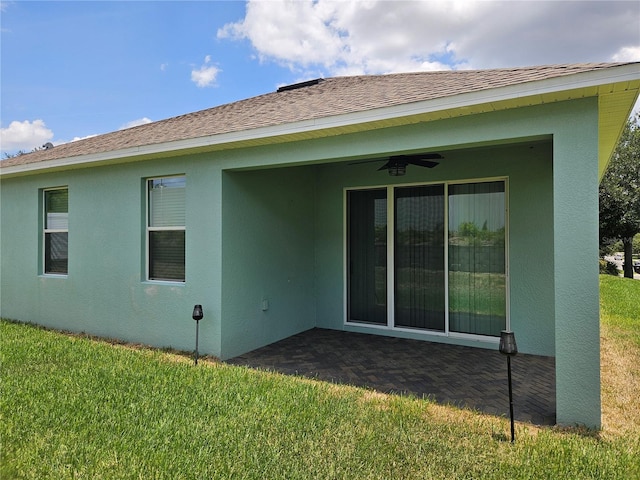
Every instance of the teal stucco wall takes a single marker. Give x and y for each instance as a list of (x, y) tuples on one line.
[(105, 292), (553, 232), (528, 170), (268, 292), (265, 228), (576, 288)]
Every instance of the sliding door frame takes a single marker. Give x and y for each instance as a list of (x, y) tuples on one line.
[(390, 326)]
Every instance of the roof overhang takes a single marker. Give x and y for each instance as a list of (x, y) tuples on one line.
[(616, 88)]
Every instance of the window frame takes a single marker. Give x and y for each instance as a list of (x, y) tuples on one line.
[(49, 231), (390, 326), (149, 229)]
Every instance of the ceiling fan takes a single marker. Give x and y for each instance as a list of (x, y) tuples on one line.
[(397, 164)]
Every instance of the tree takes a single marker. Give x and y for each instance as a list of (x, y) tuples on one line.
[(620, 194), (19, 153)]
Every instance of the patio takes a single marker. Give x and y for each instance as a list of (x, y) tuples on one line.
[(463, 376)]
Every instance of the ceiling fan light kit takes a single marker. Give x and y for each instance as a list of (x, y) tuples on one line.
[(398, 169), (397, 164)]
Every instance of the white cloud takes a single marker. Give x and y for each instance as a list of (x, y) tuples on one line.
[(206, 75), (4, 6), (28, 135), (372, 36), (135, 123), (75, 139), (24, 136), (627, 54)]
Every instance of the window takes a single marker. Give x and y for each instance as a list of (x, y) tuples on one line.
[(441, 269), (166, 229), (477, 274), (56, 231)]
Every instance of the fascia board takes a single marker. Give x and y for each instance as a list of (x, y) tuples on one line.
[(578, 81)]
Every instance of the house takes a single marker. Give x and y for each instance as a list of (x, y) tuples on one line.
[(442, 206)]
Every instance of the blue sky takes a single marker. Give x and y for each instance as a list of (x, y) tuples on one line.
[(75, 69)]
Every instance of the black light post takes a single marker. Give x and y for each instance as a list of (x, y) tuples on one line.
[(509, 348), (197, 316)]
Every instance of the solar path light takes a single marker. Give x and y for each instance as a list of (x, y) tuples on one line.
[(197, 316), (509, 348)]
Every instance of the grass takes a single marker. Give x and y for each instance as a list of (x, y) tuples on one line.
[(620, 355), (75, 407), (620, 308)]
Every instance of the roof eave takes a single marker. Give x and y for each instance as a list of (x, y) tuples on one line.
[(623, 81)]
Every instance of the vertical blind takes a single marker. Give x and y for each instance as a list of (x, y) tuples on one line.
[(367, 256), (419, 257), (477, 273), (472, 250)]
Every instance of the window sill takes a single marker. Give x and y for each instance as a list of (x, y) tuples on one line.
[(172, 283)]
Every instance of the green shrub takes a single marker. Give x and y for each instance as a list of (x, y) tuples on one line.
[(608, 268)]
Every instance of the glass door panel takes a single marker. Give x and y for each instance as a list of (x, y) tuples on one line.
[(367, 256), (419, 257), (477, 273)]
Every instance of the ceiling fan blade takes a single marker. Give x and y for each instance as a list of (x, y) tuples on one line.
[(420, 160), (422, 163)]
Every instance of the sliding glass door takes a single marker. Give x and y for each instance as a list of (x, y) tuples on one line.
[(367, 256), (442, 267), (477, 274), (419, 257)]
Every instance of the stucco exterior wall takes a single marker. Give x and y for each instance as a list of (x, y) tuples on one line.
[(255, 232), (528, 170), (268, 292), (576, 305), (105, 292), (553, 233)]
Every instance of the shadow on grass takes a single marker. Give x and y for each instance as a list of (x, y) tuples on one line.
[(189, 356)]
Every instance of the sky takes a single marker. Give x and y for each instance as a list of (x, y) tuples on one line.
[(70, 70)]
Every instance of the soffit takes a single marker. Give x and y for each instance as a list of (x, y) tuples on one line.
[(614, 107)]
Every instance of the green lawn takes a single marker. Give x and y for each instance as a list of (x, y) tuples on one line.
[(620, 306), (74, 407), (620, 355)]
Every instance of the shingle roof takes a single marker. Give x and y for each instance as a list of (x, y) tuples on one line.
[(328, 97)]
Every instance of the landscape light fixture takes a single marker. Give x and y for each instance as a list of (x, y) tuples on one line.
[(197, 316), (509, 348)]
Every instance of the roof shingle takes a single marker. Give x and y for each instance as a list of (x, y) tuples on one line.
[(329, 97)]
